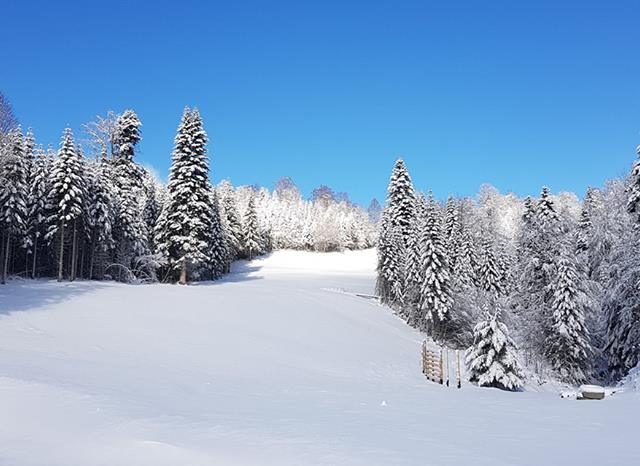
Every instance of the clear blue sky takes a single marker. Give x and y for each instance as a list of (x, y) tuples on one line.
[(517, 94)]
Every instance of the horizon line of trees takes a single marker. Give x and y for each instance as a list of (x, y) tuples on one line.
[(561, 274), (105, 216)]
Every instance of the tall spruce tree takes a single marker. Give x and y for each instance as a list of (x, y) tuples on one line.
[(128, 180), (567, 347), (251, 234), (397, 220), (183, 234), (37, 206), (13, 198), (435, 290), (66, 201)]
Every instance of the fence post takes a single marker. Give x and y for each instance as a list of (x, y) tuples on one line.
[(447, 354), (458, 374)]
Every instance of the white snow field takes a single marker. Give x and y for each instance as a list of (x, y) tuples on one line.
[(270, 366)]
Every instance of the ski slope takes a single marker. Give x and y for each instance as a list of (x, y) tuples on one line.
[(273, 365)]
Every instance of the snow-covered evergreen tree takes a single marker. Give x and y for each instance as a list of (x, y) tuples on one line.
[(37, 206), (66, 201), (231, 220), (397, 219), (633, 204), (183, 233), (492, 359), (129, 229), (435, 290), (13, 198), (490, 275), (100, 217), (567, 346), (220, 255), (251, 237)]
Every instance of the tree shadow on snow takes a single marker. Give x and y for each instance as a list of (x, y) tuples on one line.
[(25, 295)]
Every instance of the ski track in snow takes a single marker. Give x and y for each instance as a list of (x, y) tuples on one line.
[(269, 366)]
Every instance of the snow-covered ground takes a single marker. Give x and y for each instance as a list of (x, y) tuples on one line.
[(270, 366)]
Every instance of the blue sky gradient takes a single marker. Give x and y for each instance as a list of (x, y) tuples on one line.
[(516, 94)]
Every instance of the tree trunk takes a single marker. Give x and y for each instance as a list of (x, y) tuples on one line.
[(61, 258), (91, 259), (7, 246), (35, 256), (82, 252), (183, 274), (74, 251)]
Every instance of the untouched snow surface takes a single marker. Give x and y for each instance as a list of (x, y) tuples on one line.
[(266, 367)]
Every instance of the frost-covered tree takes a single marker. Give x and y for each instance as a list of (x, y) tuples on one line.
[(183, 233), (13, 197), (567, 347), (251, 231), (220, 256), (633, 204), (231, 220), (129, 229), (489, 273), (374, 211), (100, 217), (492, 359), (435, 289), (66, 201), (621, 302), (37, 206), (397, 219)]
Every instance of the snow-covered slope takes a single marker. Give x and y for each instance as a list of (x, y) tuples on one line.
[(267, 367)]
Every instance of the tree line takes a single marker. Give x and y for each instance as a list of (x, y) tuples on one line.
[(560, 273), (103, 215)]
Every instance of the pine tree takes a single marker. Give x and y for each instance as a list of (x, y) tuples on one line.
[(66, 201), (492, 359), (464, 269), (621, 303), (13, 195), (633, 204), (184, 228), (129, 229), (397, 219), (232, 223), (251, 234), (100, 217), (490, 276), (567, 346), (529, 211), (220, 257), (435, 290), (37, 206)]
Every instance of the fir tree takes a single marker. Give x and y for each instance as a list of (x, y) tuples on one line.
[(492, 359), (251, 235), (490, 276), (568, 347), (184, 228), (232, 223), (37, 206), (66, 201), (220, 258), (13, 196), (100, 217), (633, 203), (129, 229), (397, 219), (435, 289)]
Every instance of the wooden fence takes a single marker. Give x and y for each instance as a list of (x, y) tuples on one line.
[(435, 365)]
